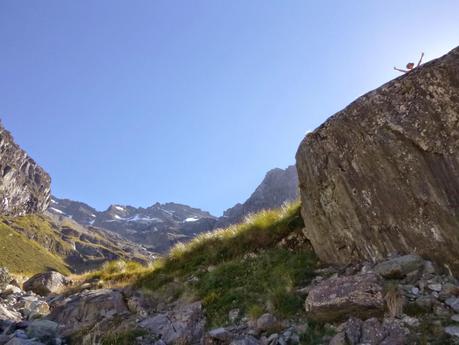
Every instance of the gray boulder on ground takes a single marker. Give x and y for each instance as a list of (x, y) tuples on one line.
[(86, 309), (43, 330), (371, 332), (381, 176), (336, 298), (184, 324), (399, 267), (46, 283), (267, 322)]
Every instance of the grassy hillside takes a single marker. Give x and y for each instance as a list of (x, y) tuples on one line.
[(24, 256), (36, 243), (255, 266)]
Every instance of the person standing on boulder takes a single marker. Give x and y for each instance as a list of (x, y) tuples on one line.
[(410, 65)]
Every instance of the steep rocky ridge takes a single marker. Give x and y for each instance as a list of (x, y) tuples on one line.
[(278, 187), (24, 185), (78, 211), (382, 175)]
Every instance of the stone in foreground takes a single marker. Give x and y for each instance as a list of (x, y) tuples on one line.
[(334, 299), (399, 267), (88, 309), (184, 325), (46, 283), (381, 176), (371, 332)]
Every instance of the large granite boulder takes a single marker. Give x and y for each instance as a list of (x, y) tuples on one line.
[(24, 185), (381, 176), (336, 298)]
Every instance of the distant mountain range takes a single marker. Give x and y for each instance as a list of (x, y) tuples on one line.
[(160, 226), (156, 227)]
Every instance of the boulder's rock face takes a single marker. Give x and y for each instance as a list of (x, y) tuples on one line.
[(24, 186), (336, 298), (46, 283), (382, 175)]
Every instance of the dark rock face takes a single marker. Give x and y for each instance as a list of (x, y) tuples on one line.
[(382, 175), (24, 186), (278, 187)]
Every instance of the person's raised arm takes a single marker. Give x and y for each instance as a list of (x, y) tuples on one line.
[(400, 70), (420, 60)]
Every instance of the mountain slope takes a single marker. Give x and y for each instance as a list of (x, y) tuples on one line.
[(42, 242), (23, 255)]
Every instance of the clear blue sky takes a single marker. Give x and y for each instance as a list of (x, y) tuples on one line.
[(134, 102)]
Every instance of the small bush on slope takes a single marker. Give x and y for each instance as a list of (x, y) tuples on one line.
[(239, 267)]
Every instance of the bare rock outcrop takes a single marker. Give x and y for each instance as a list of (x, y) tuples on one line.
[(382, 175), (24, 185)]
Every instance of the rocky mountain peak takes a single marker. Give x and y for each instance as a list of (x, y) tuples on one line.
[(278, 186), (24, 185)]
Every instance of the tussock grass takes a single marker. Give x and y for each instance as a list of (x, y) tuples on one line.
[(242, 266)]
